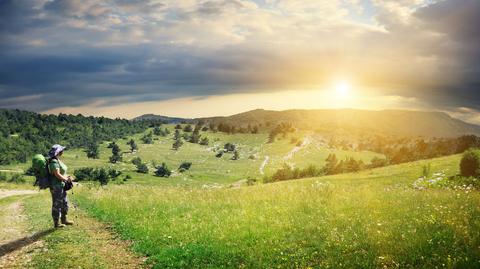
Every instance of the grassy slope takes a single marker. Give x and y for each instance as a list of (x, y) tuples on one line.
[(206, 168), (364, 220)]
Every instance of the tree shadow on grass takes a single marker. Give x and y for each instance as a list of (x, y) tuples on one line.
[(22, 242)]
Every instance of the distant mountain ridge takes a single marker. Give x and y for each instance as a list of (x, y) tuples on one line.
[(162, 118), (389, 122)]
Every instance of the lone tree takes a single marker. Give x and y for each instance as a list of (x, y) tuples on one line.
[(195, 137), (177, 135), (133, 145), (92, 151), (163, 171), (177, 144), (116, 157)]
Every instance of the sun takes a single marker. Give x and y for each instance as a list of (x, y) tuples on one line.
[(342, 88)]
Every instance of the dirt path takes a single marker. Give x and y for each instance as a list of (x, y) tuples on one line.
[(15, 248), (262, 166), (11, 171), (290, 154), (87, 244), (6, 193)]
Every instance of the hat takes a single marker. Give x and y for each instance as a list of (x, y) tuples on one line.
[(55, 150)]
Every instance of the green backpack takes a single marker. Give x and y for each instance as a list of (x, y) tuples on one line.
[(41, 172)]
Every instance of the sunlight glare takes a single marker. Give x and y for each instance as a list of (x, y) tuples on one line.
[(342, 88)]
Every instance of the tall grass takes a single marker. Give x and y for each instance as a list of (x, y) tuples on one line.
[(364, 220)]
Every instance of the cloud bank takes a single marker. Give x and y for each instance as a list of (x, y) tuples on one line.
[(72, 53)]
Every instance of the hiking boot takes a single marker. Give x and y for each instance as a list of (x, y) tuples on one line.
[(65, 221), (57, 224)]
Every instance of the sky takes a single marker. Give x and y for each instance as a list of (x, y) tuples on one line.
[(192, 58)]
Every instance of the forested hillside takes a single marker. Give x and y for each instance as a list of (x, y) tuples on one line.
[(24, 133)]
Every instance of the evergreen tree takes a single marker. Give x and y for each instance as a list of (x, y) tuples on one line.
[(133, 145), (92, 151), (163, 171), (177, 144), (177, 135), (116, 157)]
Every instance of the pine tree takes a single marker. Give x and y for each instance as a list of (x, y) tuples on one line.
[(177, 144), (92, 151)]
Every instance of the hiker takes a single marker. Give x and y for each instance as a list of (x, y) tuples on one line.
[(58, 172)]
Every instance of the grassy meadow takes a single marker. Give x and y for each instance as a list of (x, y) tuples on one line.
[(369, 219), (206, 168)]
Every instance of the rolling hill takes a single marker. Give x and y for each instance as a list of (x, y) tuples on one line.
[(387, 122)]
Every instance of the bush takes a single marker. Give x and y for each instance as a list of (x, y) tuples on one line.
[(142, 168), (136, 161), (184, 167), (163, 171), (101, 175), (229, 147), (236, 155), (3, 176), (470, 163)]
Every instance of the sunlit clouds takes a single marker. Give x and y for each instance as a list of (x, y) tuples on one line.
[(85, 56)]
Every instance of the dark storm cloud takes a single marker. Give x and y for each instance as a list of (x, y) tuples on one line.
[(458, 20)]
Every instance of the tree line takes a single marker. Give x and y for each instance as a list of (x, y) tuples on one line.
[(24, 133)]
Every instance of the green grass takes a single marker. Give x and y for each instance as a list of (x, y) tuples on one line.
[(206, 168), (363, 220)]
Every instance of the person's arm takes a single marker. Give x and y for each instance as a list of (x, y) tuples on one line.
[(57, 174)]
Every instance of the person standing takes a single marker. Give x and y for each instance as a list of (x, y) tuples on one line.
[(59, 176)]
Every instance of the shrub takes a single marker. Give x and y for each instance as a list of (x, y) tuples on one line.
[(188, 128), (204, 141), (229, 147), (163, 171), (142, 168), (219, 154), (101, 175), (236, 155), (184, 167), (378, 162), (3, 176), (136, 161), (470, 163)]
